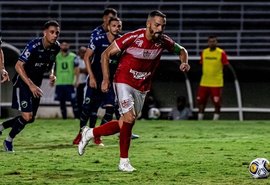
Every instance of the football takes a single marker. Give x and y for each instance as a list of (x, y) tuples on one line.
[(153, 113), (259, 168)]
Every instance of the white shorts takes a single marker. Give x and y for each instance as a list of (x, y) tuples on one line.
[(129, 98)]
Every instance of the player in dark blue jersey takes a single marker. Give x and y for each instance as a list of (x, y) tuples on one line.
[(3, 72), (94, 97), (108, 13), (37, 58)]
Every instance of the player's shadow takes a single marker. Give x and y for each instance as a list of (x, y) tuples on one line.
[(49, 147)]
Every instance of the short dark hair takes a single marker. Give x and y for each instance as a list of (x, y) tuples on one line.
[(156, 13), (114, 19), (212, 37), (50, 23), (108, 11)]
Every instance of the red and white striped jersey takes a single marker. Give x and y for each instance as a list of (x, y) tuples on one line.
[(140, 58)]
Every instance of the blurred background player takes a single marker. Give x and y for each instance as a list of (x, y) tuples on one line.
[(94, 97), (81, 82), (213, 59), (3, 73), (66, 72), (37, 58), (141, 52), (108, 13), (181, 111)]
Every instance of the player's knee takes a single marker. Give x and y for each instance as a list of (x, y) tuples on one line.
[(129, 118), (27, 117)]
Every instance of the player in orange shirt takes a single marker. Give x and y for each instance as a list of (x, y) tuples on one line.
[(213, 59)]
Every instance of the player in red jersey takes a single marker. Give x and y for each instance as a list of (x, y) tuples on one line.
[(142, 50)]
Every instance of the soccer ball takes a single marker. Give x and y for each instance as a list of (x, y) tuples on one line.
[(259, 168), (153, 113)]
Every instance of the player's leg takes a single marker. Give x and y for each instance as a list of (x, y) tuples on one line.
[(87, 111), (28, 106), (73, 100), (202, 96), (216, 93)]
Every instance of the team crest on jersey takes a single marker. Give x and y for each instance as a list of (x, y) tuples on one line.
[(24, 104), (125, 103), (139, 42)]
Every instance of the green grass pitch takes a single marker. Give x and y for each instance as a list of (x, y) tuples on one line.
[(167, 152)]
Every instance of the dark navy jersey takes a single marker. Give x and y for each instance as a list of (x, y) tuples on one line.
[(99, 44), (96, 32), (38, 60)]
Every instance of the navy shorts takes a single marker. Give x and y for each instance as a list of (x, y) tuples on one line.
[(23, 99), (65, 92), (98, 98)]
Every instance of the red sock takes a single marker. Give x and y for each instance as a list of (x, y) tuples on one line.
[(107, 129), (125, 137)]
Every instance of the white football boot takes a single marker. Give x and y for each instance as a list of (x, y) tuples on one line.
[(125, 165), (87, 135)]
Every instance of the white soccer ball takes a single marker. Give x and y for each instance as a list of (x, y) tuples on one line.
[(259, 168), (153, 113)]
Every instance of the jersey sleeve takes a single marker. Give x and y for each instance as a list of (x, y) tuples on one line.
[(126, 40), (76, 61), (224, 58), (168, 43), (27, 52), (93, 43)]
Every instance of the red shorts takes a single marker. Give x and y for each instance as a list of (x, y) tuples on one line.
[(204, 93)]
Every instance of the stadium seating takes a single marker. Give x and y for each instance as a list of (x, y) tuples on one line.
[(242, 27)]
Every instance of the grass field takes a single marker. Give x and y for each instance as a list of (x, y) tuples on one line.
[(167, 152)]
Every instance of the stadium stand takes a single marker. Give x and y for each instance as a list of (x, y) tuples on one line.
[(242, 28)]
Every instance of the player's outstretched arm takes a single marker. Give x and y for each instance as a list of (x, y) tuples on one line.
[(183, 56)]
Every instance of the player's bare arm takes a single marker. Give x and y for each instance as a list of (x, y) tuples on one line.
[(3, 72), (183, 56), (105, 57), (52, 76), (92, 80), (19, 67)]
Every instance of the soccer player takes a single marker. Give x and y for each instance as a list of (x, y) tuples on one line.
[(213, 59), (3, 72), (94, 97), (67, 75), (142, 50), (37, 58)]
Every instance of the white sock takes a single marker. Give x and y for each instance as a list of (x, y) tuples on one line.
[(216, 116), (123, 160), (1, 127), (89, 134), (200, 116), (9, 139)]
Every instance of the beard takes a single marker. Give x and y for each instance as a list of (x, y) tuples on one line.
[(155, 35)]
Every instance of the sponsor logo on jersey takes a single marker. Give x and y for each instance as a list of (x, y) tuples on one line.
[(139, 75)]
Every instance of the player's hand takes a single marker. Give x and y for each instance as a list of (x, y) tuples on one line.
[(52, 79), (105, 86), (92, 82), (37, 92), (4, 76), (185, 67)]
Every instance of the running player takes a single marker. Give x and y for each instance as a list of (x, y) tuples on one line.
[(37, 58), (142, 50)]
